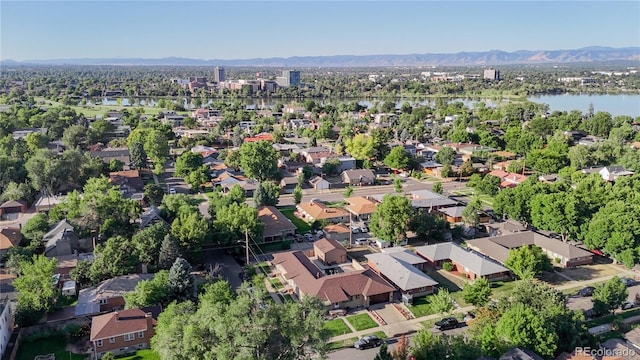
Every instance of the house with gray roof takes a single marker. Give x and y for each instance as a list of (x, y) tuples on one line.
[(61, 240), (431, 200), (560, 253), (108, 295), (466, 262), (399, 268), (150, 217)]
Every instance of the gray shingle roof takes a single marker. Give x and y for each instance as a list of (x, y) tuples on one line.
[(402, 274), (471, 260)]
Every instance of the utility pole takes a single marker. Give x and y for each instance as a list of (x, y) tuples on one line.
[(246, 244), (350, 230)]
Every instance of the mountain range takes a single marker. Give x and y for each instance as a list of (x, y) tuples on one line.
[(492, 57)]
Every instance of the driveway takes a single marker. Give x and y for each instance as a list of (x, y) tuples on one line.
[(230, 270), (390, 314)]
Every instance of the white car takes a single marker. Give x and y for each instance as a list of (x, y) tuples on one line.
[(172, 191)]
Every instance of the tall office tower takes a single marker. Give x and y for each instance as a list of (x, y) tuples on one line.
[(218, 74)]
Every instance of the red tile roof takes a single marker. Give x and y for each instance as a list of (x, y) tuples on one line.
[(120, 323)]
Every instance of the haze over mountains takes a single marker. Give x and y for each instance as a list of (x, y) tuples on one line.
[(492, 57)]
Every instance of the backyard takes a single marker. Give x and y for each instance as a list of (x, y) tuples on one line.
[(56, 345), (302, 226), (143, 355)]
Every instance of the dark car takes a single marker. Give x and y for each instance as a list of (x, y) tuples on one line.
[(367, 342), (592, 314), (628, 282), (447, 324), (588, 291)]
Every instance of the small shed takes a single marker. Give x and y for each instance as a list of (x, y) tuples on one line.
[(69, 288), (9, 210)]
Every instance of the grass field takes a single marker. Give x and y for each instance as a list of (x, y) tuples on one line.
[(421, 307), (337, 327), (342, 344), (379, 334), (143, 355), (93, 110), (51, 345), (361, 322), (302, 226)]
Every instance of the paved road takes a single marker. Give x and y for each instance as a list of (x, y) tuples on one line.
[(368, 354), (229, 267)]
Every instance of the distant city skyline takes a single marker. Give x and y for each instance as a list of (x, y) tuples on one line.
[(42, 30)]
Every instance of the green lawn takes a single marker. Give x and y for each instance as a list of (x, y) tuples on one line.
[(342, 344), (30, 349), (379, 334), (421, 307), (361, 322), (502, 287), (143, 355), (611, 318), (276, 283), (93, 110), (274, 246), (336, 327), (302, 226)]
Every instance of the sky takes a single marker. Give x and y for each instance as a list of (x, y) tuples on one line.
[(39, 30)]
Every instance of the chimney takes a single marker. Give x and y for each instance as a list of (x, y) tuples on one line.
[(117, 316)]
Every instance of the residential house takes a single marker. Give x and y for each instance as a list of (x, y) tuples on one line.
[(129, 181), (61, 241), (560, 253), (346, 162), (508, 179), (504, 155), (330, 251), (453, 214), (276, 226), (410, 149), (67, 263), (317, 210), (623, 350), (22, 133), (474, 149), (361, 207), (259, 137), (108, 154), (358, 177), (347, 290), (150, 217), (611, 173), (9, 237), (286, 149), (548, 179), (519, 353), (430, 200), (11, 210), (403, 269), (121, 332), (314, 155), (466, 262), (172, 119), (431, 167), (6, 324), (288, 184), (318, 183), (46, 203), (337, 232), (108, 295), (297, 124)]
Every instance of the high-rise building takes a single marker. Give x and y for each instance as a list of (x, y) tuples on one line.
[(491, 74), (218, 74), (289, 78)]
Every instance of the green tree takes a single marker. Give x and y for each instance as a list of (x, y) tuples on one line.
[(523, 326), (190, 229), (148, 242), (157, 148), (429, 346), (232, 221), (427, 225), (46, 171), (81, 274), (471, 212), (446, 171), (397, 184), (331, 166), (360, 147), (446, 155), (297, 194), (391, 218), (527, 261), (477, 293), (490, 185), (609, 296), (108, 356), (559, 212), (348, 191), (259, 160), (150, 292), (153, 193), (266, 193), (198, 177), (466, 169), (169, 252), (383, 353), (35, 141), (73, 136), (437, 187), (138, 155), (441, 302), (116, 257), (35, 293), (35, 228), (181, 282), (398, 158), (187, 162), (171, 329), (15, 191)]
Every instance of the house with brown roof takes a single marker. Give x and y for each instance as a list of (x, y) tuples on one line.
[(11, 209), (330, 251), (508, 179), (317, 210), (9, 237), (358, 177), (121, 332), (468, 263), (560, 253), (361, 207), (352, 289), (337, 232), (276, 225)]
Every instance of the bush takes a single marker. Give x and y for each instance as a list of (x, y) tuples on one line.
[(448, 266)]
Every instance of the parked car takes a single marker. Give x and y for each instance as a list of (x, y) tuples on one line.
[(469, 317), (628, 305), (585, 292), (309, 237), (299, 238), (592, 314), (361, 242), (447, 324), (368, 342), (628, 281), (364, 229), (172, 191), (355, 230)]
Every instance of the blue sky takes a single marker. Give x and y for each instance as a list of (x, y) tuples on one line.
[(252, 29)]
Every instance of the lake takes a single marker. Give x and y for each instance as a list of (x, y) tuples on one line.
[(616, 105)]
